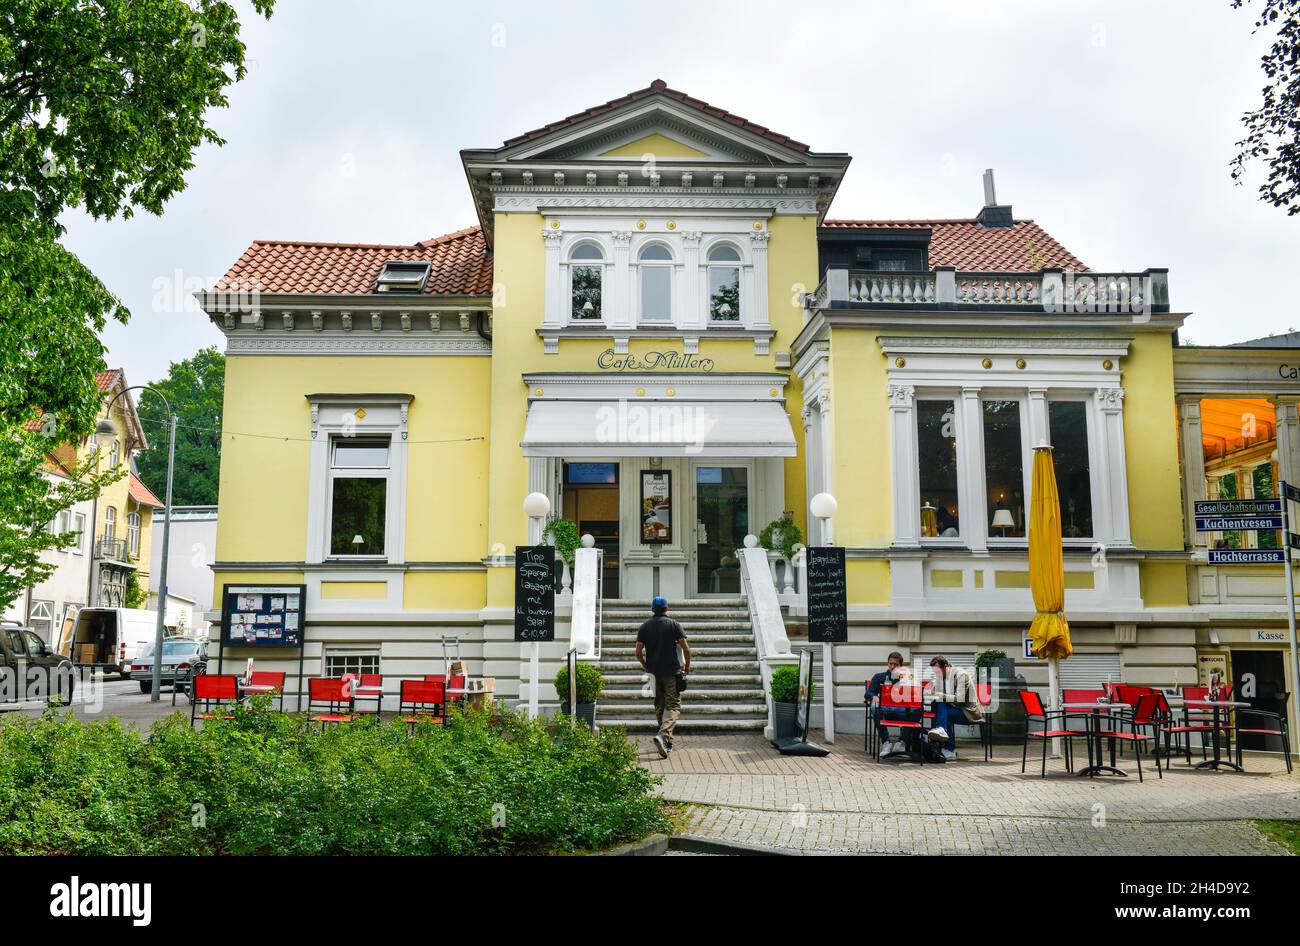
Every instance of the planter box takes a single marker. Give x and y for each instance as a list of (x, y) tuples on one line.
[(786, 716), (586, 713)]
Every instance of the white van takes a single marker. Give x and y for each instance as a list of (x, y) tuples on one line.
[(106, 638)]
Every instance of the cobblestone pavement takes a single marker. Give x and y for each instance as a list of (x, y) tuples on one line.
[(742, 790)]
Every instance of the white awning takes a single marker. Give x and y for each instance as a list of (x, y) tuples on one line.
[(658, 429)]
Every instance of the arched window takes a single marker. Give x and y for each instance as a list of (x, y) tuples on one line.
[(584, 282), (656, 274), (114, 455), (724, 283), (110, 522)]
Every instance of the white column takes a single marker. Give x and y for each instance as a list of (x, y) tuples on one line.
[(1287, 417), (536, 484), (693, 302), (755, 314), (902, 427), (827, 430), (556, 285), (812, 446), (1115, 466), (1193, 457), (1038, 417), (620, 304), (975, 514)]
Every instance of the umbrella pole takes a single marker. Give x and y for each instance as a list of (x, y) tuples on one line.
[(1054, 686)]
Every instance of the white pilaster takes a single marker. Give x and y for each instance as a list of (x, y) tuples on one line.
[(975, 514), (1110, 401), (902, 426)]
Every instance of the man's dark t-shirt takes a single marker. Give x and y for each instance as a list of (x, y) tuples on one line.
[(660, 635)]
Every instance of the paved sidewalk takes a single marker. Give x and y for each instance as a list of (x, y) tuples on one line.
[(747, 792)]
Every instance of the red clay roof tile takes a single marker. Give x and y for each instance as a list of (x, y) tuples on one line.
[(968, 245), (461, 266)]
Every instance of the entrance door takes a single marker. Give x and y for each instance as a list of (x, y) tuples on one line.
[(1258, 678), (590, 499), (721, 524)]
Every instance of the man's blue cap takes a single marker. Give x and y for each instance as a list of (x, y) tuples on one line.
[(659, 602)]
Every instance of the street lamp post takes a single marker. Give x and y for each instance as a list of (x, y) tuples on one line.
[(105, 427)]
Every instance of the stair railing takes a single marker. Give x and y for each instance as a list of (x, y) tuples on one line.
[(587, 612), (770, 639)]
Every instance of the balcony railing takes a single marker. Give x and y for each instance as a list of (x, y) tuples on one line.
[(1046, 290), (112, 548)]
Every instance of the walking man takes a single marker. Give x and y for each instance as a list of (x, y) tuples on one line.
[(656, 651)]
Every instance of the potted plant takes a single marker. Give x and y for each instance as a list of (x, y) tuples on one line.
[(784, 537), (564, 534), (785, 699), (590, 685), (987, 660)]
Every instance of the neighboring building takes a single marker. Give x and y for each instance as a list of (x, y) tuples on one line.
[(192, 545), (655, 325), (113, 529)]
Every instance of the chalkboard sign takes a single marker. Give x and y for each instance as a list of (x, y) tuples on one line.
[(534, 593), (828, 607), (262, 615)]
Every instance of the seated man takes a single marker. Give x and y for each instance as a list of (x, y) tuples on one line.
[(955, 702), (894, 673)]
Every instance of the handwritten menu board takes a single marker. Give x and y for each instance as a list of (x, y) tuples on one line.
[(263, 615), (534, 593), (828, 607)]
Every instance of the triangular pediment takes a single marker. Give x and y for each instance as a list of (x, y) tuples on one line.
[(656, 143)]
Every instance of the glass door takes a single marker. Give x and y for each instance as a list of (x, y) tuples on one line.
[(721, 524)]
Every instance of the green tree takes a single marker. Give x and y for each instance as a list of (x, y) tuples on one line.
[(1273, 129), (195, 388), (102, 105)]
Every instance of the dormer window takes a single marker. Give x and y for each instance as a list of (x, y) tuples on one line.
[(724, 283), (403, 276), (586, 263)]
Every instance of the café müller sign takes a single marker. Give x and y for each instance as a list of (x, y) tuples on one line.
[(608, 360)]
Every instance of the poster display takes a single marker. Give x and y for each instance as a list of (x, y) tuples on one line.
[(262, 615), (656, 507)]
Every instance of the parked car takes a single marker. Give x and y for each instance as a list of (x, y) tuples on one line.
[(106, 638), (21, 650), (182, 658)]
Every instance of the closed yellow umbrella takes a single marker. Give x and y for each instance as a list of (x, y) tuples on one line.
[(1050, 632)]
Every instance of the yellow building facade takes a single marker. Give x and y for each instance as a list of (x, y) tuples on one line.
[(655, 325)]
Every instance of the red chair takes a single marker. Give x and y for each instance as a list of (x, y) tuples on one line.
[(1196, 719), (984, 696), (330, 700), (266, 681), (1144, 715), (904, 696), (214, 691), (435, 678), (422, 702), (1278, 728), (370, 686), (1034, 710)]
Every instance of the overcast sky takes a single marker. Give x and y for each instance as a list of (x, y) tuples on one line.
[(1109, 123)]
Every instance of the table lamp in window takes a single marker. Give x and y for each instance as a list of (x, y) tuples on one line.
[(1002, 519), (929, 521), (357, 542), (588, 310)]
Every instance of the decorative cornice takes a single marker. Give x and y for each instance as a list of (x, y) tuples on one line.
[(890, 344), (1110, 399), (368, 344), (532, 200)]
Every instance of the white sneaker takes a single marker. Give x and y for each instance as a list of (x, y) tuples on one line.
[(886, 747), (949, 755)]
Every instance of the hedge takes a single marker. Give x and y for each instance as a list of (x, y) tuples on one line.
[(273, 783)]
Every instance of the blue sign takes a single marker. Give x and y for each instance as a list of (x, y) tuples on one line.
[(1237, 507), (1245, 556), (1244, 524)]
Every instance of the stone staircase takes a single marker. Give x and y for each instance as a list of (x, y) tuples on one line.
[(726, 687)]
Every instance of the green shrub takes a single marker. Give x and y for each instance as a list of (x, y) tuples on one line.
[(987, 658), (590, 683), (785, 685), (782, 535), (565, 534), (273, 783)]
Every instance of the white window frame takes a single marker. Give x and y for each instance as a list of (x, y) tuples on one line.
[(742, 267), (344, 654), (944, 369), (602, 266), (114, 454), (79, 526), (110, 523), (337, 473), (335, 415), (133, 534), (641, 266)]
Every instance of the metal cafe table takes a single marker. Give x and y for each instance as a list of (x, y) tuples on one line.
[(1216, 737), (1096, 763)]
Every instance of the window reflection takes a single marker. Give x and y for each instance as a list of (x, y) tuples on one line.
[(936, 436), (1068, 421), (1004, 469), (1239, 444)]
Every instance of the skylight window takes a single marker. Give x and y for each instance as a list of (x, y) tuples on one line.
[(402, 276)]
